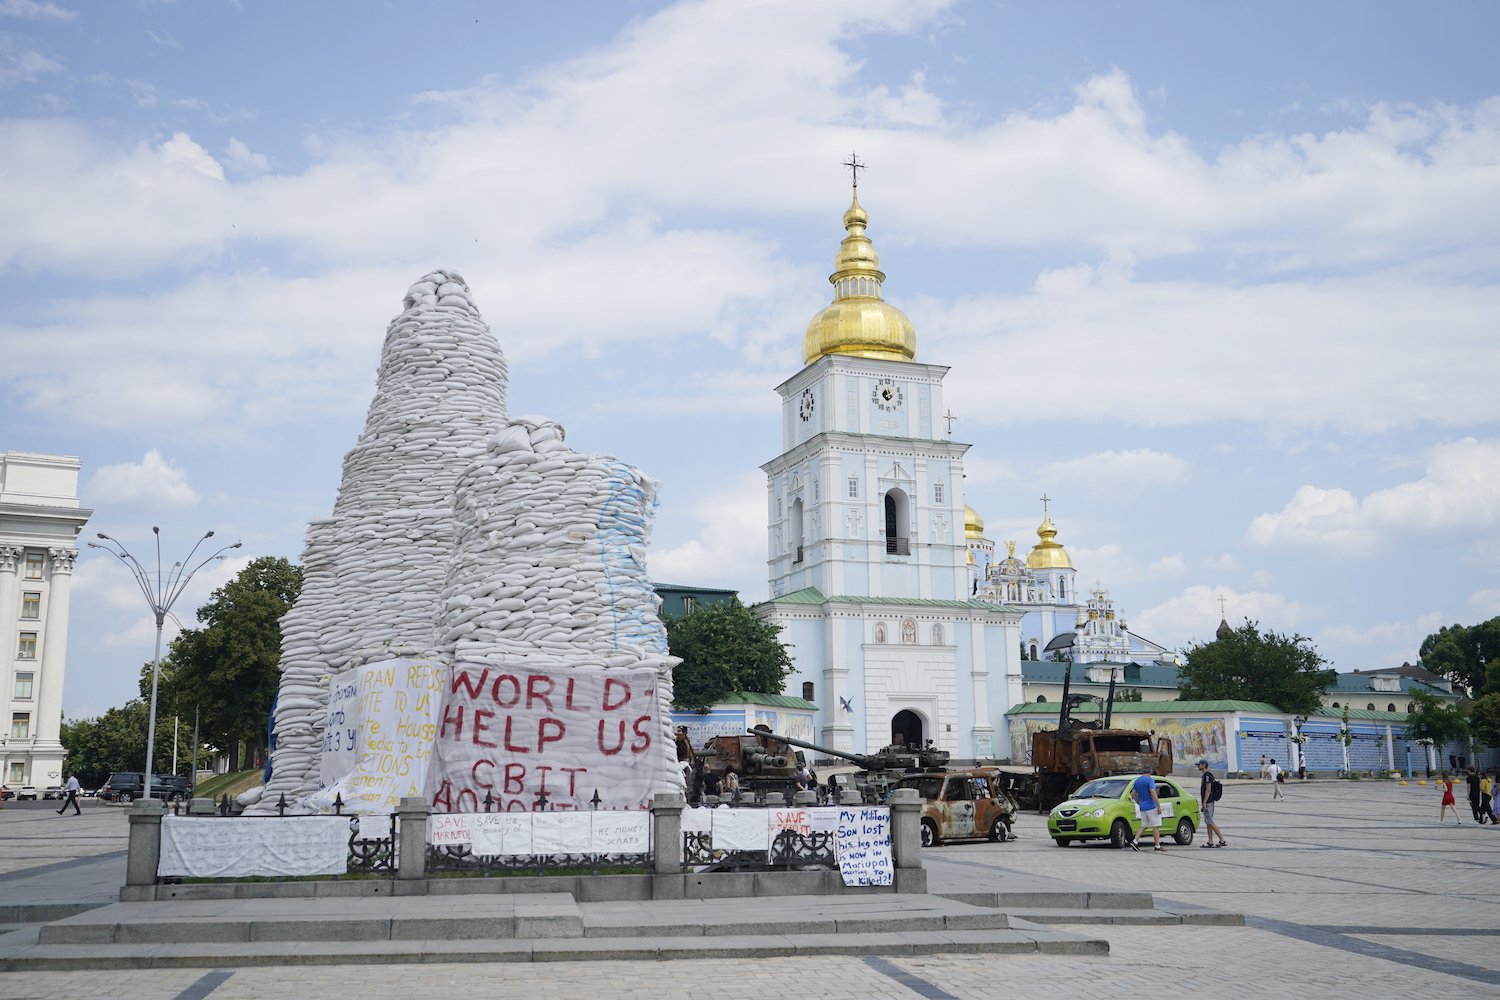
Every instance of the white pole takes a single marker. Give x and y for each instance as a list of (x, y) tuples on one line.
[(161, 617), (175, 722)]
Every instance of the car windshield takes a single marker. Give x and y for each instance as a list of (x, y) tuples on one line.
[(1102, 788)]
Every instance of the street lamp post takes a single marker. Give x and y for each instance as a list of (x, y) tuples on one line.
[(160, 594)]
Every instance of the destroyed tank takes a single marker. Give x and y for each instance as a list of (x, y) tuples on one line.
[(880, 771), (762, 766)]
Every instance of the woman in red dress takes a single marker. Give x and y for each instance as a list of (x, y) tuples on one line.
[(1448, 800)]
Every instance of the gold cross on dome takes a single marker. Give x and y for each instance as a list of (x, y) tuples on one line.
[(1045, 500)]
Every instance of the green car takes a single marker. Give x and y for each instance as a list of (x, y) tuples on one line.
[(1102, 810)]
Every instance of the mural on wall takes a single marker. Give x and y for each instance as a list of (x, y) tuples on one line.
[(1192, 738)]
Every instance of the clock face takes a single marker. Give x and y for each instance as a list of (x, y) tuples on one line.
[(887, 395), (807, 404)]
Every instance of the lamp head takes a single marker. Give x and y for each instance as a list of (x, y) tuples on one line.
[(155, 530), (208, 534)]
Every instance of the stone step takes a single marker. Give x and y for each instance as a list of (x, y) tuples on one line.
[(1062, 900), (73, 957), (1158, 916)]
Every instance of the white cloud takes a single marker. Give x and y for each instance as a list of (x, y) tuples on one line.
[(242, 159), (1459, 495), (730, 534), (1485, 603), (36, 10), (1194, 614), (153, 481), (20, 64), (1116, 473), (1224, 562)]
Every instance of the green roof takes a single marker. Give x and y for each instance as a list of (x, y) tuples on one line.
[(770, 700), (1154, 707), (814, 596)]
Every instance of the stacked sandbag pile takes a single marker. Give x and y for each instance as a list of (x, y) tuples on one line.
[(549, 563), (373, 571)]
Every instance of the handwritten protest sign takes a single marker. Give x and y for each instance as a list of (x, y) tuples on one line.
[(378, 734), (204, 847), (864, 846), (451, 829), (624, 832), (537, 738)]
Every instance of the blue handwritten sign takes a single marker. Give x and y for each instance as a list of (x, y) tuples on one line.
[(864, 846)]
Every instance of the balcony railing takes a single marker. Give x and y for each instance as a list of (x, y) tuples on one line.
[(798, 558), (898, 546)]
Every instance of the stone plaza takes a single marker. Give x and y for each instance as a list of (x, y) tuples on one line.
[(1346, 889)]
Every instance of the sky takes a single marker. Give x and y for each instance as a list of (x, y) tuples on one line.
[(1220, 280)]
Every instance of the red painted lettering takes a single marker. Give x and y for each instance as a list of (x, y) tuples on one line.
[(465, 679), (542, 736), (515, 686), (568, 703), (533, 696), (481, 726), (457, 720), (642, 739), (488, 765), (442, 800), (510, 721), (573, 773), (612, 682), (619, 744), (472, 801), (515, 778)]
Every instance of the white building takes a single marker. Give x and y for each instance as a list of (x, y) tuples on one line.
[(39, 523), (868, 559)]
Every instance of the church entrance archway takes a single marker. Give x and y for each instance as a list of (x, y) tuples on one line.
[(906, 727)]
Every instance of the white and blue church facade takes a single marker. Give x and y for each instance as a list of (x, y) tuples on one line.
[(868, 554)]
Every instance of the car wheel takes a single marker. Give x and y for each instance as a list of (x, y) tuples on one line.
[(125, 797), (1184, 834), (1062, 841), (999, 832), (929, 833), (1119, 834)]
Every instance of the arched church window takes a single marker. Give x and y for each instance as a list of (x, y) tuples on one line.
[(937, 635), (1335, 704), (1033, 651), (880, 632), (797, 541), (1370, 707), (909, 632), (1391, 707), (1041, 699), (897, 541), (1062, 590)]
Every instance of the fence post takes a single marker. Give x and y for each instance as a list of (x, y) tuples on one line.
[(143, 851), (411, 832), (666, 833), (906, 828)]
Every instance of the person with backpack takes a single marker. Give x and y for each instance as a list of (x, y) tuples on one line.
[(1276, 779), (1210, 790)]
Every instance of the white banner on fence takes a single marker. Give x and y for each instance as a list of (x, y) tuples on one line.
[(514, 731), (864, 846), (699, 820), (742, 830), (378, 734), (273, 846), (819, 819), (622, 832)]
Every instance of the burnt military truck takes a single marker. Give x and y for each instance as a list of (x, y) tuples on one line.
[(1081, 750)]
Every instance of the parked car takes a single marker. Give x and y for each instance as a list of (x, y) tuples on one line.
[(52, 792), (962, 803), (1102, 809), (26, 792), (127, 786)]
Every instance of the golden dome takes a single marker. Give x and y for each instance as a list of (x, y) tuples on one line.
[(859, 322), (1048, 554), (973, 523)]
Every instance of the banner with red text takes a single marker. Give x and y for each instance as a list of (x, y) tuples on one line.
[(537, 738)]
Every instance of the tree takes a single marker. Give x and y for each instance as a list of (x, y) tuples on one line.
[(1462, 653), (1484, 719), (724, 649), (1245, 665), (1433, 722), (229, 670), (1128, 695), (116, 741)]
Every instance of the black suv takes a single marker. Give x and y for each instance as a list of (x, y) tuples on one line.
[(127, 786)]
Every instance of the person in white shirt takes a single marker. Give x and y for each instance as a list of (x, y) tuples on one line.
[(70, 796), (1274, 770)]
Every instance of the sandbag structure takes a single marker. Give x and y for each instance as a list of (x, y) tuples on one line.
[(461, 535)]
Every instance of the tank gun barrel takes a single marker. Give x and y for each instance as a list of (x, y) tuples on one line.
[(758, 758), (860, 759)]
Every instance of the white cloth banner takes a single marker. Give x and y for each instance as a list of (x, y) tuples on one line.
[(864, 846), (378, 734), (818, 819), (742, 830), (623, 832), (560, 833), (699, 820), (272, 846)]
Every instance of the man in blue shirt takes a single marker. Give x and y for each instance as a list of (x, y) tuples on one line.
[(1143, 794)]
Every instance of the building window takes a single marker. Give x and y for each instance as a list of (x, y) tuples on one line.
[(26, 648), (816, 489), (1041, 699), (807, 691), (23, 685), (880, 632), (937, 492), (853, 487), (688, 603), (34, 565), (31, 604), (1370, 707), (1391, 707), (909, 632), (897, 542), (937, 635), (778, 508), (1033, 651), (20, 726), (17, 773), (1335, 704)]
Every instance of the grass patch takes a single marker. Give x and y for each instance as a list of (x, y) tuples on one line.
[(234, 783)]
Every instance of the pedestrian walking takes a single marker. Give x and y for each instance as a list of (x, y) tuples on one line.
[(1263, 771), (1486, 799), (1277, 777), (1449, 802), (70, 796), (1209, 791), (1471, 779), (1143, 794)]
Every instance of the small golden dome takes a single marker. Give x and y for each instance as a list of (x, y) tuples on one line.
[(1048, 554), (859, 322), (973, 523)]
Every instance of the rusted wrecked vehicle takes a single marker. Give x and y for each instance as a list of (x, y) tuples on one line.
[(963, 803)]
